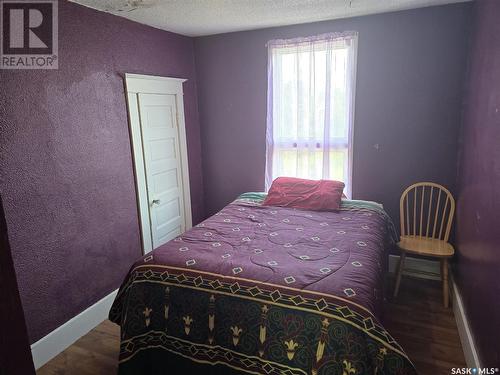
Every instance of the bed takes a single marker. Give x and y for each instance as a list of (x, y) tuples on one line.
[(263, 290)]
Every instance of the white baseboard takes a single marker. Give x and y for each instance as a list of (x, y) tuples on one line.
[(429, 269), (466, 338), (62, 337), (418, 267)]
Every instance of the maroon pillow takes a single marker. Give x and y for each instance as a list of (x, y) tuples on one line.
[(314, 195)]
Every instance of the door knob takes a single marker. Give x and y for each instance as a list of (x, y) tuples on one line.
[(155, 201)]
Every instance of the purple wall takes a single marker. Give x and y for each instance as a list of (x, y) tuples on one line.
[(15, 354), (66, 166), (478, 213), (409, 87)]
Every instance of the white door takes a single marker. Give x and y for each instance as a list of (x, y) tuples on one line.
[(162, 161), (156, 112)]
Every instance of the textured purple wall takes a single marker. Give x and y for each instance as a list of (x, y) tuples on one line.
[(65, 161), (478, 213), (409, 87)]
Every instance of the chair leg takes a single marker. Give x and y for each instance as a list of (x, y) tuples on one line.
[(399, 272), (444, 276)]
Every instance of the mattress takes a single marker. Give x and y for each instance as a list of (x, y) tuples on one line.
[(263, 290)]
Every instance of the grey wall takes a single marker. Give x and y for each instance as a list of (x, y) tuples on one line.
[(408, 96)]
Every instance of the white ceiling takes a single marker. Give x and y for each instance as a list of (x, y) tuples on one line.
[(206, 17)]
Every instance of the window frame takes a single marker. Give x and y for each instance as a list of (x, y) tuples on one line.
[(340, 143)]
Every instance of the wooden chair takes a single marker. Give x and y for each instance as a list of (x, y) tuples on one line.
[(426, 213)]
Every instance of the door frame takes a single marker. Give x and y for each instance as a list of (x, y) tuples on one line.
[(144, 84)]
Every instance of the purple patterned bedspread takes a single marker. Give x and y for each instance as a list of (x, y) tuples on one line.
[(339, 253), (334, 259)]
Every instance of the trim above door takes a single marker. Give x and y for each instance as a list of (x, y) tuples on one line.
[(143, 84)]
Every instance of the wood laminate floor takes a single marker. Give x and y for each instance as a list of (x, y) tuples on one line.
[(417, 320), (424, 328)]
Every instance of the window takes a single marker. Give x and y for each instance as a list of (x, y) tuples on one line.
[(310, 112)]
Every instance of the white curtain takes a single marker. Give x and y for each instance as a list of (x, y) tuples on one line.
[(310, 112)]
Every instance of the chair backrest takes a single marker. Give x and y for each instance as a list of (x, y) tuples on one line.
[(426, 210)]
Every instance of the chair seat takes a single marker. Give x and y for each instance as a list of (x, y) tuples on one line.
[(426, 246)]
